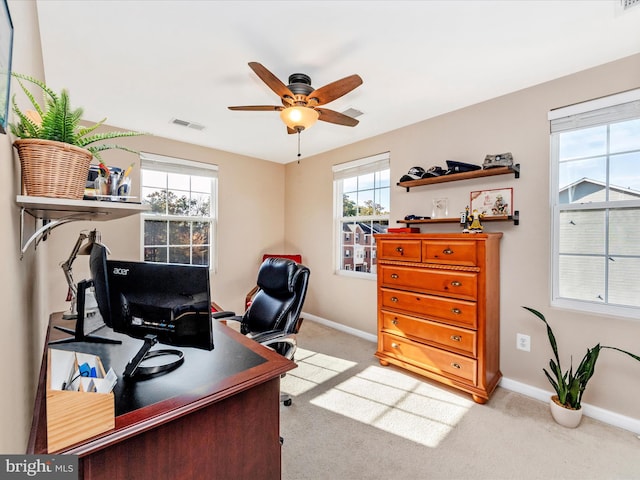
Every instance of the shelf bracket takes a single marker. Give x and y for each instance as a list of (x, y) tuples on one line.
[(516, 217), (40, 233)]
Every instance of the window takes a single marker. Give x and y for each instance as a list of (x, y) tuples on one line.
[(595, 185), (181, 225), (362, 204)]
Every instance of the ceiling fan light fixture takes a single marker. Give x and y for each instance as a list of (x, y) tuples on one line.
[(299, 118)]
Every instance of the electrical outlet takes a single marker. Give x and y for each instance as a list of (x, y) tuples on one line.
[(523, 342)]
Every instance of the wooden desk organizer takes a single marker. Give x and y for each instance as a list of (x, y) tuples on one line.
[(74, 416)]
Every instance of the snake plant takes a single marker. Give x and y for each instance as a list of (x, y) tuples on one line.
[(570, 385), (58, 121)]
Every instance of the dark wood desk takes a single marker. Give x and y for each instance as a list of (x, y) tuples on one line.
[(216, 416)]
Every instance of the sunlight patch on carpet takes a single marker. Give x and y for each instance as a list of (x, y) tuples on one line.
[(397, 403), (313, 370)]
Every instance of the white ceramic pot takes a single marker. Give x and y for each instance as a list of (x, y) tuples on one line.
[(567, 417)]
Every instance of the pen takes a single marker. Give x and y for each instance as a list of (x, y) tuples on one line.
[(128, 170)]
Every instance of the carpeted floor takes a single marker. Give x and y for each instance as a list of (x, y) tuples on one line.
[(353, 419)]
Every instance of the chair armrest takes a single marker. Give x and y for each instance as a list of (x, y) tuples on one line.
[(227, 315), (275, 337)]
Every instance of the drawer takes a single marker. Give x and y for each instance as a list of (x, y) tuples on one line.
[(407, 250), (430, 358), (450, 252), (441, 282), (440, 335), (456, 312)]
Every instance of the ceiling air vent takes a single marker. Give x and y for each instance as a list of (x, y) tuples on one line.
[(184, 123), (353, 113), (629, 3)]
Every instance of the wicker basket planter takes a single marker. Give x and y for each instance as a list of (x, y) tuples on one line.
[(53, 169)]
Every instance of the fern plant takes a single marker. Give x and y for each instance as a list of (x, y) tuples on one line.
[(570, 385), (58, 121)]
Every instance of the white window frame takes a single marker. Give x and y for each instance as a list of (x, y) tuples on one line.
[(343, 171), (151, 161), (601, 111)]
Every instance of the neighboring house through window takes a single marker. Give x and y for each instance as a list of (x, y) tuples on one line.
[(595, 185), (181, 226), (362, 204)]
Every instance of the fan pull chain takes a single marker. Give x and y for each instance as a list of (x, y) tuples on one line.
[(298, 146)]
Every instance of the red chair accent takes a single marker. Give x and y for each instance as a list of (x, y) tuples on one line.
[(295, 257)]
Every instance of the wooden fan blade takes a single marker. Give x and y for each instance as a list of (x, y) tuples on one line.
[(334, 90), (271, 80), (258, 108), (331, 116)]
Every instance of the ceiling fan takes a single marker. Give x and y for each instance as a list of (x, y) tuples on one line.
[(301, 102)]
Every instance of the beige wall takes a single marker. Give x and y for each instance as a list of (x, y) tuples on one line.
[(514, 123)]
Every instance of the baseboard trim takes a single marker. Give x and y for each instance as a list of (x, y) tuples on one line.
[(340, 327), (597, 413)]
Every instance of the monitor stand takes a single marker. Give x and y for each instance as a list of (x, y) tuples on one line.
[(135, 369), (78, 332)]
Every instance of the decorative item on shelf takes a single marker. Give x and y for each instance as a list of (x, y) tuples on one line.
[(570, 385), (414, 173), (440, 208), (474, 221), (460, 167), (55, 150), (500, 160), (493, 203)]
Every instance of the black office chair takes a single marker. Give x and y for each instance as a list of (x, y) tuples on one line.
[(273, 318)]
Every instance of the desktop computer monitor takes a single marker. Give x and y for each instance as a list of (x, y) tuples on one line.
[(156, 302), (170, 301)]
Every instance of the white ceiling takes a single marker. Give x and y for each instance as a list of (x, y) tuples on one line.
[(142, 63)]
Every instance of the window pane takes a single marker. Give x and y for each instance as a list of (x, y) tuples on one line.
[(179, 255), (624, 231), (624, 281), (178, 181), (583, 181), (624, 177), (155, 179), (587, 142), (366, 181), (155, 232), (365, 202), (383, 178), (582, 231), (349, 205), (155, 254), (201, 184), (350, 184), (382, 201), (156, 198), (200, 205), (179, 233), (582, 278), (625, 136)]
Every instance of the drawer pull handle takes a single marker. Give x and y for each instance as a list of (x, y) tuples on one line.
[(456, 338), (394, 275), (394, 321), (447, 251), (456, 365), (457, 311), (456, 283), (395, 345), (394, 299), (400, 250)]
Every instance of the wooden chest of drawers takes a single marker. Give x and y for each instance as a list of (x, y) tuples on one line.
[(439, 307)]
